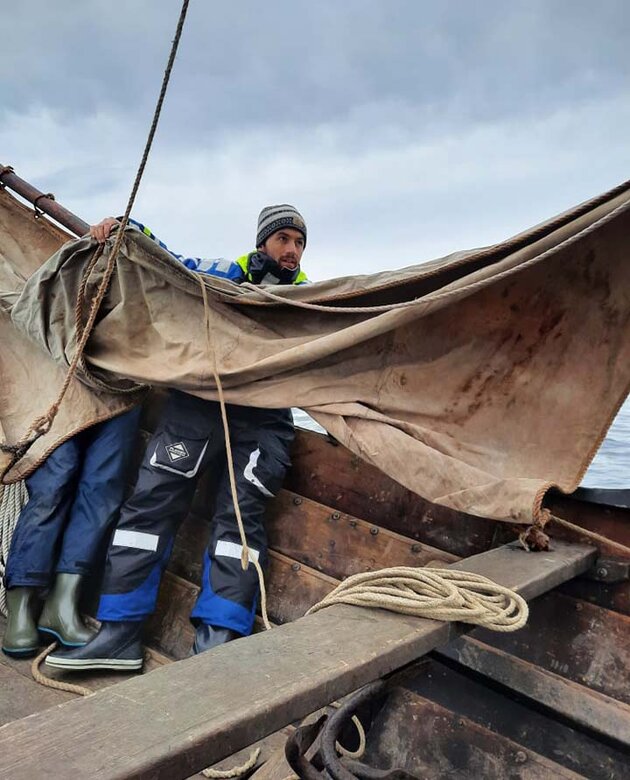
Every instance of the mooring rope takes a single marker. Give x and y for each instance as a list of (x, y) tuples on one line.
[(13, 499)]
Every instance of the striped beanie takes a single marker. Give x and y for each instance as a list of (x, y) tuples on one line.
[(274, 218)]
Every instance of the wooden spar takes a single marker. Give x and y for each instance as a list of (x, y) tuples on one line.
[(49, 206), (188, 715)]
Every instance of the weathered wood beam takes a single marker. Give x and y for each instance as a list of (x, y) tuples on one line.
[(331, 474), (433, 742), (579, 641), (188, 715), (587, 708), (340, 544)]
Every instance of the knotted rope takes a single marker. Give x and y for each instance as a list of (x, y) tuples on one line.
[(439, 594), (13, 499)]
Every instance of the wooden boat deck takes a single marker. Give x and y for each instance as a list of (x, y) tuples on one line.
[(550, 700)]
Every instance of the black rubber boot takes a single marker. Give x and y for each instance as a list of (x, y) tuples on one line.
[(207, 637), (21, 638), (60, 617), (117, 646)]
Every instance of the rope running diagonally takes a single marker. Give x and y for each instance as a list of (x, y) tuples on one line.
[(42, 424)]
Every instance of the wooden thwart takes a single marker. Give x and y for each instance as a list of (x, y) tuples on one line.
[(188, 715)]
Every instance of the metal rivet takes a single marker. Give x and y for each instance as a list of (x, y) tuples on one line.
[(353, 523), (520, 757), (297, 500), (335, 516), (296, 567), (602, 572), (415, 548), (373, 530)]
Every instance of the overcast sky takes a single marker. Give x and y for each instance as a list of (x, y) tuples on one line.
[(402, 129)]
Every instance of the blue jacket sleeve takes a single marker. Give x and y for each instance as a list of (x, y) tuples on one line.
[(220, 267)]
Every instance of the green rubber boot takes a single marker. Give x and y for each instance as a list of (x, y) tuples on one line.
[(21, 639), (60, 617)]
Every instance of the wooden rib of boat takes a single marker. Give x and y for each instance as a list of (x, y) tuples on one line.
[(551, 700)]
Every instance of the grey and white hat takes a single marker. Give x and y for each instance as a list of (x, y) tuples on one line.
[(274, 218)]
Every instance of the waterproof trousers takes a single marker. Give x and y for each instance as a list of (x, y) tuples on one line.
[(188, 441), (74, 498)]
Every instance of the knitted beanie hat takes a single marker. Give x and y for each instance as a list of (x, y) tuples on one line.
[(274, 218)]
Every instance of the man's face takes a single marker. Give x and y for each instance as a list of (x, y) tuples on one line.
[(285, 247)]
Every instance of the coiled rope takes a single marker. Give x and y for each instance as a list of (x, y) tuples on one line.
[(439, 594), (13, 499)]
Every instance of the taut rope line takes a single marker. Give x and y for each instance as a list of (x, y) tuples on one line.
[(42, 425)]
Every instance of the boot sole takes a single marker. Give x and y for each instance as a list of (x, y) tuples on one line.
[(116, 664), (19, 653), (59, 638)]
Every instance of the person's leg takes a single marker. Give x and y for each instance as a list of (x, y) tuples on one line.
[(35, 544), (185, 441), (261, 440), (107, 450)]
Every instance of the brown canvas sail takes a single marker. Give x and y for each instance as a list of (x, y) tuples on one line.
[(477, 380)]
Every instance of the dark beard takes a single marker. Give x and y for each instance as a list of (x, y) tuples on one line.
[(263, 269)]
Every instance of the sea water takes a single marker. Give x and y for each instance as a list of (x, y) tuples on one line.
[(610, 467)]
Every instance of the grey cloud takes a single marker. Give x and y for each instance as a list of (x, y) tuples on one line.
[(429, 65)]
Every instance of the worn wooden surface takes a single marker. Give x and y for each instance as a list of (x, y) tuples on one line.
[(332, 475), (577, 640), (536, 728), (586, 708), (339, 544), (432, 742), (188, 715)]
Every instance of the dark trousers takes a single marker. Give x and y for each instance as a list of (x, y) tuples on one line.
[(189, 440), (74, 498)]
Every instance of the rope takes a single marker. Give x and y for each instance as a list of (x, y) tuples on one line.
[(358, 753), (245, 559), (13, 499), (236, 771), (438, 594), (48, 682), (42, 424), (621, 548)]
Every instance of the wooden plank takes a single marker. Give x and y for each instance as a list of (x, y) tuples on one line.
[(576, 640), (292, 587), (188, 715), (169, 628), (339, 544), (330, 474), (591, 710), (432, 742), (497, 709), (22, 696)]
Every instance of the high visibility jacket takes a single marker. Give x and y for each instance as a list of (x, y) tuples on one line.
[(235, 270)]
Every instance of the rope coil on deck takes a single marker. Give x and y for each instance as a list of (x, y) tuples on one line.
[(438, 594)]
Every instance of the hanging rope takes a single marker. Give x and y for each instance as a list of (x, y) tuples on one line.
[(245, 558), (13, 499), (42, 424), (438, 594)]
